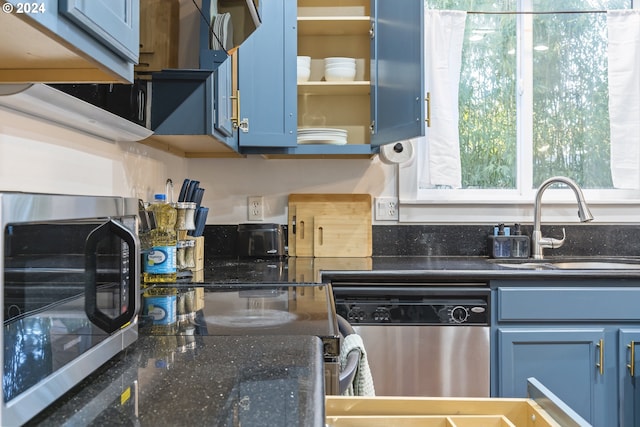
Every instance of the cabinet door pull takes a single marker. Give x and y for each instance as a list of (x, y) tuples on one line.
[(235, 118), (632, 356), (243, 124), (600, 365), (428, 101)]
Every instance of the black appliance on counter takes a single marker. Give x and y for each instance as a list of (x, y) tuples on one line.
[(69, 286), (262, 240), (303, 309)]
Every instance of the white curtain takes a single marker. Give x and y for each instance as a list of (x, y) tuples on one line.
[(623, 28), (439, 152)]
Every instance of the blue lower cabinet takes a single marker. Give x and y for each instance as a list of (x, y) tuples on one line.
[(569, 361), (629, 376), (581, 341)]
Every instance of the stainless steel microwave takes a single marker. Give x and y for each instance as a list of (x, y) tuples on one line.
[(70, 288)]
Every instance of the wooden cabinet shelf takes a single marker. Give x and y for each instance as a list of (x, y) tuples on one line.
[(334, 88), (333, 25), (335, 29)]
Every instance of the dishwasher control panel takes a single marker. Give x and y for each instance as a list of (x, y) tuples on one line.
[(428, 308), (458, 313)]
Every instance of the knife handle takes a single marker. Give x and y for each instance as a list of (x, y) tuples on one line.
[(198, 197), (192, 191), (183, 190)]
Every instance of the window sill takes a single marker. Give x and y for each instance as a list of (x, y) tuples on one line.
[(493, 212)]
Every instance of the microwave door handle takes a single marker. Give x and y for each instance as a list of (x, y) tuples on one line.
[(91, 309)]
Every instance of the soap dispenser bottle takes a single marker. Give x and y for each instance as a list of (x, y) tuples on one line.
[(519, 243), (499, 243), (503, 243)]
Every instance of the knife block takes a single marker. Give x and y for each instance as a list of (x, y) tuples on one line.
[(198, 252)]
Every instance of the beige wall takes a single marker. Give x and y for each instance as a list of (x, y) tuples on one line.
[(228, 183), (41, 157)]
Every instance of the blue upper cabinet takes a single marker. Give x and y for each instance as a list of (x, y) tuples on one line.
[(377, 104), (191, 112), (397, 52), (259, 103), (267, 80), (114, 23), (54, 41)]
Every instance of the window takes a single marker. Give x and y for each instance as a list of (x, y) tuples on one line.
[(533, 103)]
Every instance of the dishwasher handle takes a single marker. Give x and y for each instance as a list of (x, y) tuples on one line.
[(353, 358)]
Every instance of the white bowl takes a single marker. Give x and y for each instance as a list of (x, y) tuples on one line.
[(348, 66), (338, 74), (304, 60), (303, 73), (340, 65), (338, 59)]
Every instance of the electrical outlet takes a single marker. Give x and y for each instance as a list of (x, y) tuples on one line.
[(256, 208), (386, 209)]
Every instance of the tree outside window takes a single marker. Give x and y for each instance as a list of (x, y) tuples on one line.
[(562, 57)]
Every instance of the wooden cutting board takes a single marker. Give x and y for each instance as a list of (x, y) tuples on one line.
[(341, 236), (305, 210)]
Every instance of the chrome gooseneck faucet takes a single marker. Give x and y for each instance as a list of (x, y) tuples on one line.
[(538, 242)]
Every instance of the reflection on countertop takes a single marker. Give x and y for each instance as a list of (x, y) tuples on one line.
[(391, 268), (222, 380)]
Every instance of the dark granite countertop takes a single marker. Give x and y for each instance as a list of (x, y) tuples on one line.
[(222, 381), (225, 378), (403, 268)]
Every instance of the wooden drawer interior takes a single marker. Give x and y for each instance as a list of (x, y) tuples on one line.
[(420, 421), (380, 411)]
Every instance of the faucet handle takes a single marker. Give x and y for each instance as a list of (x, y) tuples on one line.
[(551, 243)]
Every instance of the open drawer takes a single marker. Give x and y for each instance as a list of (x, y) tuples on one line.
[(541, 409)]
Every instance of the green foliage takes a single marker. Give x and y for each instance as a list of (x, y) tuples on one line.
[(487, 103), (570, 119)]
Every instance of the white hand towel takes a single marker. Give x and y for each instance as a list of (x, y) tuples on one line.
[(623, 28), (444, 34), (363, 381)]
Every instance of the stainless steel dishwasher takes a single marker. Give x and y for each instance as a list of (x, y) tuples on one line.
[(428, 339)]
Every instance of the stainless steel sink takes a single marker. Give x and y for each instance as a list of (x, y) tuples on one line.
[(594, 264)]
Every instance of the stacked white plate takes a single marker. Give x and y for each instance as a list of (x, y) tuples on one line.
[(221, 36), (322, 136), (339, 69)]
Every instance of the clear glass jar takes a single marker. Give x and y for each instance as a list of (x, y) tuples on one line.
[(181, 246), (190, 254), (186, 216)]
